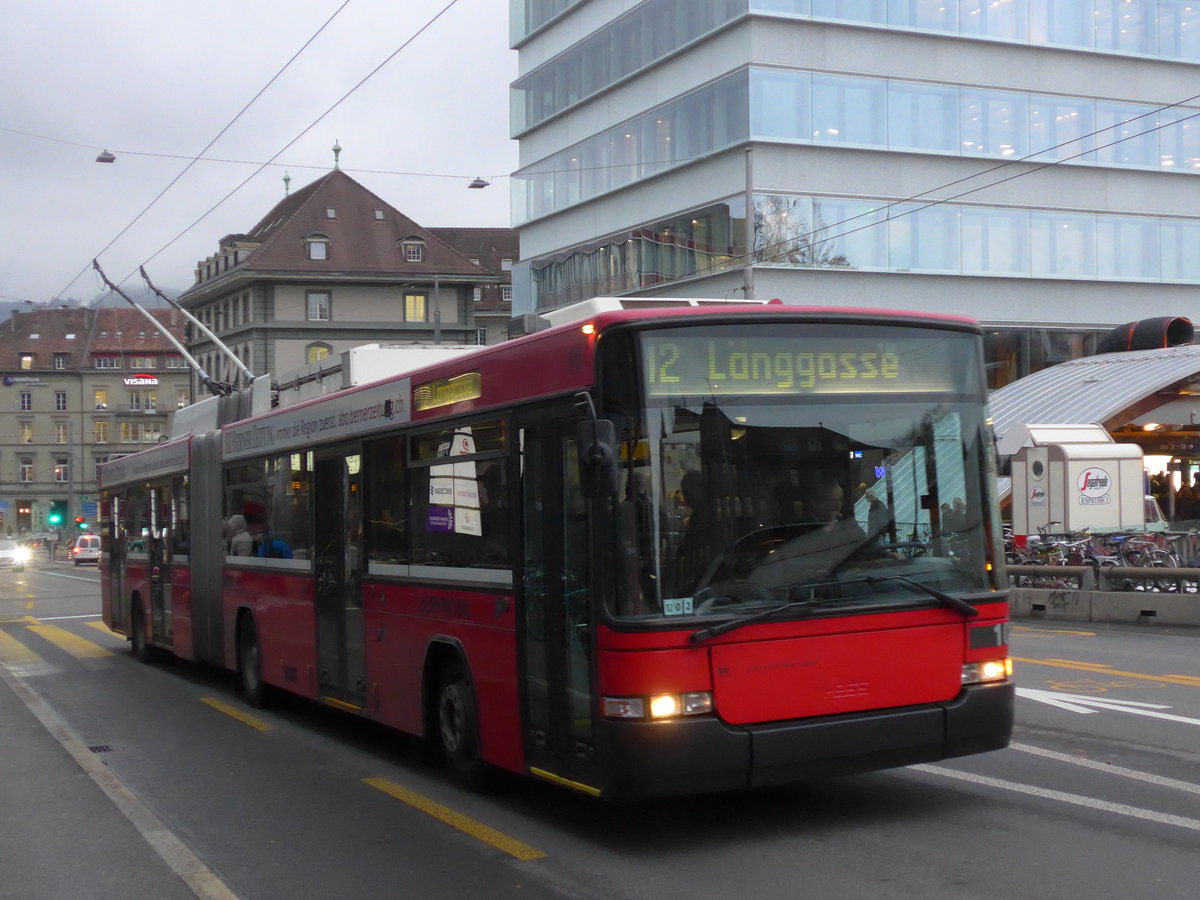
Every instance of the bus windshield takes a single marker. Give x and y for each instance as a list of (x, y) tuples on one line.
[(764, 464)]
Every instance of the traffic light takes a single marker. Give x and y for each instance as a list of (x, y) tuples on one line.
[(81, 523), (58, 513)]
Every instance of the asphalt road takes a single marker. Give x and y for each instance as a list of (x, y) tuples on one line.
[(1098, 797)]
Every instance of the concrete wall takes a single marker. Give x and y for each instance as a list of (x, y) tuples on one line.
[(1138, 607)]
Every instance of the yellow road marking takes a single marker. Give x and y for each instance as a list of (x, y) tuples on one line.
[(104, 629), (1190, 680), (1030, 630), (478, 830), (13, 651), (240, 714), (72, 643)]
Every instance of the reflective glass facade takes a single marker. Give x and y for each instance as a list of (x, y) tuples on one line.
[(640, 38), (1165, 28), (873, 236), (1169, 29), (952, 239), (787, 106), (711, 118)]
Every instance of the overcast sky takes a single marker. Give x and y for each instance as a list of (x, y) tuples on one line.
[(154, 81)]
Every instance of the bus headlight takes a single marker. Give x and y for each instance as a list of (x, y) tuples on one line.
[(987, 672), (661, 706)]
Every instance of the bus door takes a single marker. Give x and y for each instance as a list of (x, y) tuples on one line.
[(118, 602), (158, 548), (338, 561), (555, 618)]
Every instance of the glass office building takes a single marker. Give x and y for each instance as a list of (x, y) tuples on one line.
[(1032, 163)]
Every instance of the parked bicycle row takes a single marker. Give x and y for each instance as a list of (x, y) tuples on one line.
[(1107, 555)]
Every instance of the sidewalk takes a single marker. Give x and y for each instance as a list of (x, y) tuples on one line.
[(69, 827)]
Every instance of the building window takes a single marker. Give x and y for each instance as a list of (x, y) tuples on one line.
[(26, 429), (144, 362), (61, 359), (101, 433), (60, 401), (316, 246), (330, 212), (481, 336), (414, 251), (61, 432), (101, 395), (107, 362), (26, 475), (379, 215), (506, 265), (151, 401), (176, 362), (477, 294), (26, 401), (26, 360), (318, 306), (101, 460), (151, 432), (129, 432), (135, 401), (62, 469), (506, 293), (414, 307), (315, 352), (181, 398)]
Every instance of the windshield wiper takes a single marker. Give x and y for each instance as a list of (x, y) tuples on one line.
[(961, 606), (705, 633)]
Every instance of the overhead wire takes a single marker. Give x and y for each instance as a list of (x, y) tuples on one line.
[(1028, 157), (216, 138), (305, 131)]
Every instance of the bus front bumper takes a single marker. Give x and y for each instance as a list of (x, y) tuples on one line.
[(701, 755)]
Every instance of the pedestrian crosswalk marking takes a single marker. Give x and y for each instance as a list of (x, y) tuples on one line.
[(13, 652), (72, 643)]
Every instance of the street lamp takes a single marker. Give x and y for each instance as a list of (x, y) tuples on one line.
[(105, 157), (478, 183)]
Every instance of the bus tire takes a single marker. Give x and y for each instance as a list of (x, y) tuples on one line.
[(139, 644), (458, 727), (249, 663)]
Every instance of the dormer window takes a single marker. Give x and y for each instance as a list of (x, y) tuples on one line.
[(26, 360), (379, 215), (330, 212), (414, 250), (316, 246)]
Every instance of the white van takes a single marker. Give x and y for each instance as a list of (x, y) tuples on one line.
[(86, 549)]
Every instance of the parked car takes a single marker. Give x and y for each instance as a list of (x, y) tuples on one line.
[(13, 555), (86, 549)]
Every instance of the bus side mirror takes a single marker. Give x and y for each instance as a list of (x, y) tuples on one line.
[(597, 458)]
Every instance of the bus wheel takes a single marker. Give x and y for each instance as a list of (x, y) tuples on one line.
[(142, 651), (249, 658), (458, 728)]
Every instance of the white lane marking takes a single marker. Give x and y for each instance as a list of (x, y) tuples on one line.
[(1080, 704), (74, 577), (59, 618), (1074, 799), (1159, 780)]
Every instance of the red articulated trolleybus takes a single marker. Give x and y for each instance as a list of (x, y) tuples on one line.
[(690, 546)]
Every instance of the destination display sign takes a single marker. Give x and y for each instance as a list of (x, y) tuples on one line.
[(339, 417), (156, 462), (705, 362)]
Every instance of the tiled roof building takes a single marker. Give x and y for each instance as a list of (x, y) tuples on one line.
[(82, 386), (333, 266)]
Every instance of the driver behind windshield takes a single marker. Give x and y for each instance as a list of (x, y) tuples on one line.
[(820, 544)]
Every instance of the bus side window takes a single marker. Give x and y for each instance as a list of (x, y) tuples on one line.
[(386, 515)]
